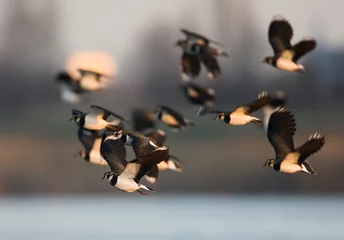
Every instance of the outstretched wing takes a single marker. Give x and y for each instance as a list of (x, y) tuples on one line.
[(212, 65), (191, 65), (315, 143), (143, 120), (148, 161), (198, 38), (100, 112), (158, 136), (87, 138), (280, 33), (262, 100), (281, 129), (113, 151), (303, 47)]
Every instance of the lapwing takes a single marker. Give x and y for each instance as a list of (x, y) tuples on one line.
[(199, 95), (71, 88), (286, 55), (196, 49), (241, 115), (91, 140), (171, 163), (96, 119), (287, 159), (143, 120), (172, 118), (127, 175), (277, 100)]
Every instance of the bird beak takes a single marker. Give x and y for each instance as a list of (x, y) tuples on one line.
[(264, 164), (103, 178), (71, 119), (77, 154), (215, 118)]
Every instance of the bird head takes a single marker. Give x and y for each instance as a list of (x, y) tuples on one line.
[(108, 176), (220, 116), (269, 163), (268, 60)]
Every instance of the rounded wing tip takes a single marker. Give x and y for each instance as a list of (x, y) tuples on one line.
[(317, 136), (262, 94)]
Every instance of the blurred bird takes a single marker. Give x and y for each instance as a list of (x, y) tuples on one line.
[(286, 56), (127, 175), (96, 119), (198, 95), (277, 100), (281, 130), (172, 118), (91, 140), (72, 88), (172, 162), (196, 49), (241, 115), (143, 120)]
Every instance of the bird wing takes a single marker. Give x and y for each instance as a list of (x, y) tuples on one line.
[(157, 135), (191, 65), (87, 138), (100, 112), (177, 115), (153, 174), (199, 39), (314, 144), (281, 129), (280, 33), (262, 100), (212, 65), (142, 120), (114, 152), (140, 144), (140, 166), (303, 47)]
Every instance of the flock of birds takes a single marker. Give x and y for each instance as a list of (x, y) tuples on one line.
[(104, 136)]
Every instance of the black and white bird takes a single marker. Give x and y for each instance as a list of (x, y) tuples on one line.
[(286, 56), (277, 100), (71, 88), (287, 159), (172, 162), (91, 140), (241, 115), (125, 175), (172, 118), (199, 95), (96, 119), (196, 50)]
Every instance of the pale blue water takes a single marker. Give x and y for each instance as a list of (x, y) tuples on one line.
[(171, 218)]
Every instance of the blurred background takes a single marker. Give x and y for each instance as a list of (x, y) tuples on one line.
[(223, 186)]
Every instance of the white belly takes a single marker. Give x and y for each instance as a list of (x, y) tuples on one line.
[(239, 119), (290, 168), (287, 65), (126, 184), (93, 123), (169, 119)]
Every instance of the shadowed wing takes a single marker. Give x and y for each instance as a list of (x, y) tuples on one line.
[(281, 129), (114, 152), (87, 138), (143, 120), (303, 47), (313, 145), (262, 100), (158, 136), (280, 34), (191, 65), (212, 65)]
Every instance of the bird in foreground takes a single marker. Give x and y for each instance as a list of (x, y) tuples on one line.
[(171, 163), (277, 100), (286, 55), (196, 50), (126, 175), (241, 115), (91, 140), (199, 95), (71, 88), (96, 119), (281, 130), (172, 118)]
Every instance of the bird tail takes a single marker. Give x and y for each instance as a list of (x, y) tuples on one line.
[(307, 168), (146, 188), (255, 120)]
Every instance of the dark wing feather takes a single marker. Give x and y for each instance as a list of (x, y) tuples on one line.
[(153, 173), (280, 34), (191, 65), (103, 113), (87, 137), (262, 100), (177, 115), (158, 136), (314, 144), (303, 47), (114, 152), (141, 144), (142, 120), (191, 35), (281, 130), (148, 161), (212, 65)]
